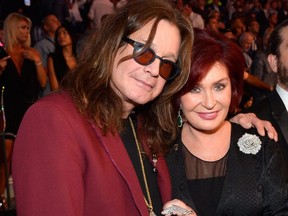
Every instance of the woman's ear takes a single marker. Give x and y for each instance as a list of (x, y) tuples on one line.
[(272, 59)]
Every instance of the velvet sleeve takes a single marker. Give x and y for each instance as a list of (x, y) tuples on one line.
[(47, 164)]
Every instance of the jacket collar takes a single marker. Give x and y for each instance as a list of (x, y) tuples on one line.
[(116, 150)]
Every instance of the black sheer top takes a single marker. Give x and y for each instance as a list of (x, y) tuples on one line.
[(205, 181)]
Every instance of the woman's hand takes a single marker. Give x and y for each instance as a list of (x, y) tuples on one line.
[(177, 207), (249, 120), (32, 54), (3, 63)]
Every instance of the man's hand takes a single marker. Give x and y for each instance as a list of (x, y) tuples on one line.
[(249, 120)]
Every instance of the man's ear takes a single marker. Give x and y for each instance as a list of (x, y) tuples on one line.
[(272, 59)]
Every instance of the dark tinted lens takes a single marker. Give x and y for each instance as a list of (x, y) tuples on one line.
[(168, 70), (144, 58)]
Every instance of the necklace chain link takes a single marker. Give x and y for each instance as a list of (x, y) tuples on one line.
[(149, 202)]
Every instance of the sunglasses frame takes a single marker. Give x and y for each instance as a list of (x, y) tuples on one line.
[(137, 51)]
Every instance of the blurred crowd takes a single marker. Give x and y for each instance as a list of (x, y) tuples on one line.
[(247, 22)]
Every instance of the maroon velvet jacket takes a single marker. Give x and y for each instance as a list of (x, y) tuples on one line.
[(64, 166)]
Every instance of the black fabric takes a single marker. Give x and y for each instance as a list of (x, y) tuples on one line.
[(131, 147), (200, 189), (8, 213), (176, 165), (196, 168), (49, 39), (60, 66), (20, 92), (253, 185), (205, 181)]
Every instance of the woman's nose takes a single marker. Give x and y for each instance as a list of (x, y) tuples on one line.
[(209, 100)]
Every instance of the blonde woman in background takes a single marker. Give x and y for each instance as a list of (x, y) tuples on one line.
[(23, 77)]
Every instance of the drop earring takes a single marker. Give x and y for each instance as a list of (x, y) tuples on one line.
[(179, 118)]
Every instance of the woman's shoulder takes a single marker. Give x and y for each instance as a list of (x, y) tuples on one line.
[(238, 131), (253, 151), (249, 142)]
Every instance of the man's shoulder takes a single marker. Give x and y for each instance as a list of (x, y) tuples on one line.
[(270, 104), (44, 42)]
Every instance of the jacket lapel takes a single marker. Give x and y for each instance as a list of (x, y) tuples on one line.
[(280, 114), (164, 182), (282, 121), (120, 158)]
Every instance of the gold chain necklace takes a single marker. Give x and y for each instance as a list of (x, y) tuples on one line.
[(149, 203)]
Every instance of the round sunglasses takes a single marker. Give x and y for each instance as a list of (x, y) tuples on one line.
[(168, 70)]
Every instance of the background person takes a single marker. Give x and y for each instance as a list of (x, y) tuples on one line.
[(23, 77), (63, 59), (196, 19), (275, 106), (261, 69), (99, 8), (46, 45), (3, 202)]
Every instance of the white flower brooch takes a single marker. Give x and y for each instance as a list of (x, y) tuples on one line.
[(249, 144)]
